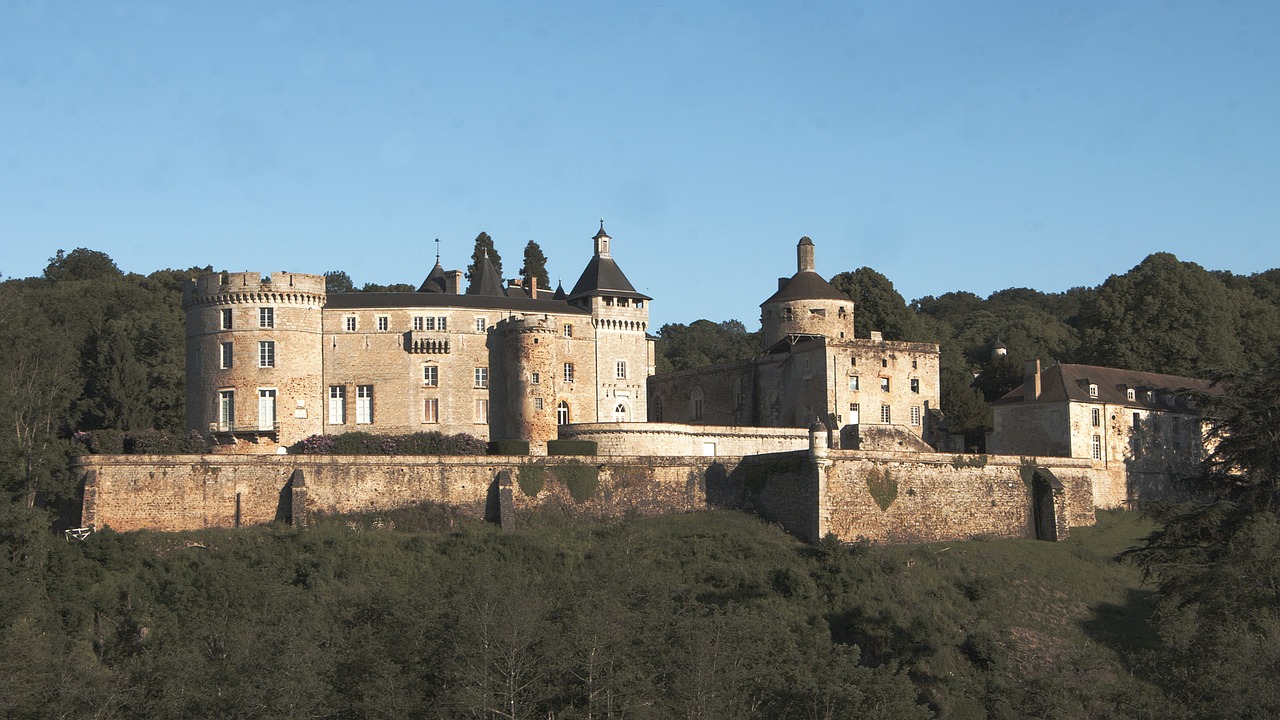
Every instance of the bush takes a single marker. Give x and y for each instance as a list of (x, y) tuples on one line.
[(509, 447), (582, 480), (531, 479), (571, 447), (363, 443), (140, 442)]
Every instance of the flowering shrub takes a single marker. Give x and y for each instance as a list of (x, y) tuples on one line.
[(363, 443)]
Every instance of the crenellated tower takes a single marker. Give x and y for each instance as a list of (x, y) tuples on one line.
[(620, 319), (254, 358), (533, 377)]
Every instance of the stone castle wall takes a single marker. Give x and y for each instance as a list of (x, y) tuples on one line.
[(881, 497), (678, 439)]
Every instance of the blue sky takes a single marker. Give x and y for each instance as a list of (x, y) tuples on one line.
[(951, 146)]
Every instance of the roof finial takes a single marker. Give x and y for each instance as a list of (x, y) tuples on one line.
[(601, 224), (437, 251)]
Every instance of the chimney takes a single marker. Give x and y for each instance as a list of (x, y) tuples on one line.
[(804, 255), (533, 287), (782, 282), (1031, 381), (453, 281)]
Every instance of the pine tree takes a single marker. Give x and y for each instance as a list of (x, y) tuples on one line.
[(484, 244), (535, 265)]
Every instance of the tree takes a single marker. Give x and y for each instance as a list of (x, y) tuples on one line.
[(337, 282), (1216, 560), (703, 343), (80, 264), (877, 306), (535, 265), (484, 246)]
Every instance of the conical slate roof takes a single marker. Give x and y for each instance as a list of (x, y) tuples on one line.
[(806, 285), (602, 276), (435, 282), (488, 283), (560, 294)]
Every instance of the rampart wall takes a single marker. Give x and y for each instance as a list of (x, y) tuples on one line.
[(880, 497), (679, 439)]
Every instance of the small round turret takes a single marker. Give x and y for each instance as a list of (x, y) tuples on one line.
[(531, 378), (805, 304)]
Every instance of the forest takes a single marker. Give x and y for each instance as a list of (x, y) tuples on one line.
[(423, 614)]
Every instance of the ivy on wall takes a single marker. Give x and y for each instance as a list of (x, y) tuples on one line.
[(883, 488)]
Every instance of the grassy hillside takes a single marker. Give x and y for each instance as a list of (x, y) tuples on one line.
[(423, 614)]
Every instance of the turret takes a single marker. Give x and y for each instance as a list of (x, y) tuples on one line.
[(805, 305), (532, 378), (254, 358)]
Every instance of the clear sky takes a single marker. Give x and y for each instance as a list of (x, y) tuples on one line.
[(949, 145)]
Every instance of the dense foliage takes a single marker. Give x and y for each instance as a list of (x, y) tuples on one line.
[(419, 613), (1216, 560), (364, 443)]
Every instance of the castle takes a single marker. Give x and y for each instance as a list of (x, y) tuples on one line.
[(823, 432), (274, 359)]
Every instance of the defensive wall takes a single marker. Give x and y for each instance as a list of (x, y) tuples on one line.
[(879, 497), (680, 439)]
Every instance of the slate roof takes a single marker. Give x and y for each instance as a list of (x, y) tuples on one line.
[(806, 285), (602, 276), (366, 301), (489, 282), (435, 282), (1071, 382), (560, 294)]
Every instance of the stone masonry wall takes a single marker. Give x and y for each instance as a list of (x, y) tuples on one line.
[(677, 439)]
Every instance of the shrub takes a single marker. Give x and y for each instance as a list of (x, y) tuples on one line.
[(531, 479), (140, 442), (363, 443), (571, 447), (582, 480), (509, 447)]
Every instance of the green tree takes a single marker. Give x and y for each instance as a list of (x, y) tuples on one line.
[(535, 265), (702, 343), (80, 264), (337, 282), (1216, 560), (484, 246), (877, 306)]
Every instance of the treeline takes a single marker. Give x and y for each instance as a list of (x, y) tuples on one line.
[(1163, 315)]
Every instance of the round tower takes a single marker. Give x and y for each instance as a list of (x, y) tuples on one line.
[(532, 361), (254, 359), (805, 304)]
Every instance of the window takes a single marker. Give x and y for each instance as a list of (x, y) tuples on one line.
[(1097, 417), (915, 386), (535, 378), (1151, 396), (1093, 390), (383, 323), (420, 323), (349, 322), (886, 415), (481, 324), (568, 331), (431, 410), (620, 413), (639, 303), (266, 409), (656, 407), (537, 403), (884, 362), (568, 372), (364, 404), (482, 410), (1131, 394), (226, 409), (442, 324), (482, 377), (1097, 447), (226, 356), (266, 353), (884, 384), (1155, 422), (696, 402), (1137, 419), (915, 415), (337, 404), (620, 370), (853, 362), (915, 365), (266, 317), (853, 382), (226, 319), (562, 413), (431, 375)]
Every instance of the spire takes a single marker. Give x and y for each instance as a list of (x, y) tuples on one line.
[(602, 276), (488, 283), (560, 293), (436, 281), (602, 241)]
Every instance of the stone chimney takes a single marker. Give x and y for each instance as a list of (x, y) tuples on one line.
[(453, 281), (1031, 381), (533, 287), (804, 255)]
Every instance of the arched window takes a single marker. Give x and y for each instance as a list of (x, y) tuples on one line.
[(562, 413), (657, 408), (620, 413), (696, 401)]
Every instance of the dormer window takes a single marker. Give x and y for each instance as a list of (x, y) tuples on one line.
[(1151, 396), (1093, 390), (1131, 394)]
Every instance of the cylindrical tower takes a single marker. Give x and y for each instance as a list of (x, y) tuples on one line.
[(531, 380), (805, 304), (254, 359)]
